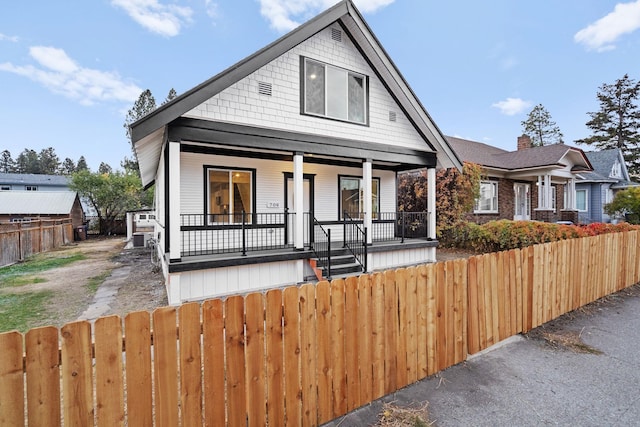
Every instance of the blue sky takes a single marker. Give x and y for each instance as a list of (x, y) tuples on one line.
[(70, 70)]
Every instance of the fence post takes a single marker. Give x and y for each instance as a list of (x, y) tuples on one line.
[(244, 236), (329, 254)]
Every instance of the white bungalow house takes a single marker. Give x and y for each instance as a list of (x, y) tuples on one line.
[(283, 167)]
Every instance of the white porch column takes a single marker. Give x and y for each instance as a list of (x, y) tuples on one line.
[(367, 177), (174, 200), (547, 191), (431, 203), (298, 200), (571, 195)]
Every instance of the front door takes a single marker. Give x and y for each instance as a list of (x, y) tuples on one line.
[(307, 188), (523, 206)]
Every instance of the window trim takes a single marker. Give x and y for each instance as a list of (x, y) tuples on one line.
[(206, 201), (303, 98), (374, 178), (476, 206)]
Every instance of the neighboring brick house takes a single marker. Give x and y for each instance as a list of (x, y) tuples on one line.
[(531, 183)]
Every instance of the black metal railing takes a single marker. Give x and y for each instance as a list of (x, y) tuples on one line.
[(235, 233), (411, 225), (321, 247), (355, 239), (394, 226)]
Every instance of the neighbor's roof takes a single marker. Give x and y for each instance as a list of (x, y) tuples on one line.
[(36, 202), (534, 157), (33, 179), (603, 162), (148, 133)]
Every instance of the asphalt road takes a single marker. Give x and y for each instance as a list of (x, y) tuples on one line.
[(527, 382)]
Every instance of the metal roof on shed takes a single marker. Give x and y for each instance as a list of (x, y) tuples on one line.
[(36, 202)]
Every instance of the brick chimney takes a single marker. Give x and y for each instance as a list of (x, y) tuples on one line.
[(524, 142)]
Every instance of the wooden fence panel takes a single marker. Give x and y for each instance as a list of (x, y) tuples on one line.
[(324, 362), (190, 356), (165, 367), (77, 374), (42, 359), (137, 329), (378, 335), (213, 362), (275, 359), (412, 325), (308, 355), (293, 390), (109, 372), (364, 338), (235, 361), (254, 359), (11, 380), (402, 322)]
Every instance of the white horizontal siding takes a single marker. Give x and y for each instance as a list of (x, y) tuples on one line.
[(241, 102), (400, 258)]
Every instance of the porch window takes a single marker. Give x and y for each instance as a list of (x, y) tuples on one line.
[(581, 200), (334, 92), (488, 200), (230, 192), (352, 196)]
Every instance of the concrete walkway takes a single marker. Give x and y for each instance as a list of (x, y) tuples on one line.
[(106, 294), (525, 382)]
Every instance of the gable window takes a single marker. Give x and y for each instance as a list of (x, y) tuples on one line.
[(352, 196), (581, 200), (334, 92), (616, 170), (229, 194), (488, 200)]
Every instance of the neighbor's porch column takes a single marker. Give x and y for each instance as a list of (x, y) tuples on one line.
[(298, 199), (174, 200), (544, 192), (571, 195), (367, 178), (431, 203)]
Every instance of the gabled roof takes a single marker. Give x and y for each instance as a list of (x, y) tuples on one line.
[(603, 162), (146, 132), (37, 202), (534, 157), (33, 179)]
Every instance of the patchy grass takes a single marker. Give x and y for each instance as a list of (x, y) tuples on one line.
[(96, 281), (18, 311), (568, 340), (403, 416), (19, 274)]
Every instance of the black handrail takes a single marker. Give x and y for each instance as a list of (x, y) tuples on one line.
[(355, 239), (321, 246)]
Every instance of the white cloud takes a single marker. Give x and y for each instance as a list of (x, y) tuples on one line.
[(165, 20), (512, 106), (4, 37), (602, 34), (56, 71), (285, 15), (211, 8)]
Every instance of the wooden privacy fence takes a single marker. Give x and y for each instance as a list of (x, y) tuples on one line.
[(303, 355), (19, 240)]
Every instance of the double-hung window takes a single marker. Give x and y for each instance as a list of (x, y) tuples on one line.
[(487, 202), (229, 194), (581, 200), (333, 92), (352, 196)]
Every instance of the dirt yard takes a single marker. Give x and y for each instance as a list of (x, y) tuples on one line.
[(74, 285)]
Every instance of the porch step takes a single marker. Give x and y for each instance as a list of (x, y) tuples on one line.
[(343, 264)]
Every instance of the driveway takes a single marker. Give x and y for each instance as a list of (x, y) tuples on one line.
[(582, 369)]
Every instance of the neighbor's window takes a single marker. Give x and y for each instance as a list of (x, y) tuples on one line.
[(230, 193), (352, 196), (31, 187), (5, 188), (581, 200), (488, 200), (334, 92)]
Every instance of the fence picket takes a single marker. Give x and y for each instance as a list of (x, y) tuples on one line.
[(472, 317), (109, 379), (137, 329), (390, 331), (309, 379), (449, 314), (213, 346), (190, 355), (165, 366), (42, 359), (482, 306), (291, 336), (77, 374), (401, 352), (255, 360), (378, 335), (11, 380), (412, 325), (234, 348), (324, 363), (460, 311), (364, 338), (441, 308), (432, 316), (339, 379)]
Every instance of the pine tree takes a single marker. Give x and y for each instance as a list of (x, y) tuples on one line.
[(104, 168), (7, 164), (172, 94), (28, 162), (49, 161), (540, 127), (617, 124), (68, 167), (82, 164)]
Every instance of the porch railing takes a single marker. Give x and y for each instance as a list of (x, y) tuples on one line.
[(321, 247), (395, 226), (355, 239)]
